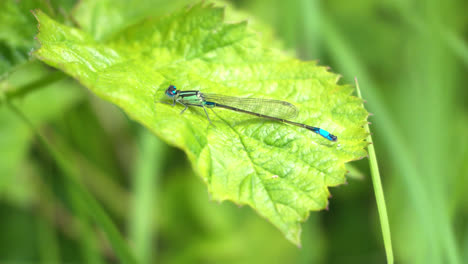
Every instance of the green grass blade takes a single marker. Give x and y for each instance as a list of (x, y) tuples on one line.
[(15, 92), (449, 38), (310, 14), (379, 194), (49, 249), (118, 243), (146, 178), (99, 182), (456, 44), (86, 236), (431, 27), (399, 153)]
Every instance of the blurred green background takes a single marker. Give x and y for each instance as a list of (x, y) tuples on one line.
[(411, 60)]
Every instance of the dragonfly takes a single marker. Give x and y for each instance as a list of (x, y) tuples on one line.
[(271, 109)]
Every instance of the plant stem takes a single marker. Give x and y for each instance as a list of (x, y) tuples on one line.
[(379, 194)]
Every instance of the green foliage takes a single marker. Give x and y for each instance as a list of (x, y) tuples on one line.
[(18, 27), (17, 30), (411, 64), (16, 34), (16, 137), (19, 77), (282, 172)]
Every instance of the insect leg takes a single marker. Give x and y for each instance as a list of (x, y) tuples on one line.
[(207, 116), (186, 106)]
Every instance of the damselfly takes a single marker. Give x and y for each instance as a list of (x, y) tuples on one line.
[(271, 109)]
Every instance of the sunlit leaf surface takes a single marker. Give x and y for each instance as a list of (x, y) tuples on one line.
[(281, 171)]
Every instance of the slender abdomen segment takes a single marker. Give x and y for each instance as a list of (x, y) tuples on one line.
[(209, 104), (324, 133), (317, 130)]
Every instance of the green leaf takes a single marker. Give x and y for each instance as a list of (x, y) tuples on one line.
[(281, 171)]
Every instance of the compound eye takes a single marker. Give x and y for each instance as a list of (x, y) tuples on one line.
[(171, 90)]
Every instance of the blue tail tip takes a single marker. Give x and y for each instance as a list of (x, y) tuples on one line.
[(325, 134)]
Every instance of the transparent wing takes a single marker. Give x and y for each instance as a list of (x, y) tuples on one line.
[(269, 107)]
